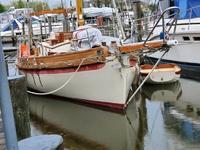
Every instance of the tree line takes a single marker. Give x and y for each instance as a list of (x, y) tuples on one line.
[(37, 6)]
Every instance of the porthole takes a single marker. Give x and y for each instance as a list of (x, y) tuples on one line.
[(186, 38), (196, 38)]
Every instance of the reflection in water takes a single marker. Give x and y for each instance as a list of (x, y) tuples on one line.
[(163, 92), (174, 120), (87, 128), (164, 117)]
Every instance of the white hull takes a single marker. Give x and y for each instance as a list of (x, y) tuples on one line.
[(108, 85), (182, 53), (188, 35), (36, 30)]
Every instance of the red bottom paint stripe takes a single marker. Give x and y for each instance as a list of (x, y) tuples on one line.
[(105, 104), (97, 103)]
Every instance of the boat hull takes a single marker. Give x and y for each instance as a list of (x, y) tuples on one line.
[(163, 73), (101, 84), (186, 53), (188, 70)]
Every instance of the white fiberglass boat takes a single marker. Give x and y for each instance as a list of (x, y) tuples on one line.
[(17, 26), (186, 53)]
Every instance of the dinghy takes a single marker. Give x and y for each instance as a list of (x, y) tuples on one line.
[(163, 73)]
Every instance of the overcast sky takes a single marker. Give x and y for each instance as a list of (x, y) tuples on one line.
[(52, 3)]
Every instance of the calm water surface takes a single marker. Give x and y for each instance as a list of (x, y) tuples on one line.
[(165, 117)]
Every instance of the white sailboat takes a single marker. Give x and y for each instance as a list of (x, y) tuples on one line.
[(94, 75)]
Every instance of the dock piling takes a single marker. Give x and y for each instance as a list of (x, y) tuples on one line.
[(50, 24), (20, 105)]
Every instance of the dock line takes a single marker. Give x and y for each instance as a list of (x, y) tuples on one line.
[(140, 86), (61, 87)]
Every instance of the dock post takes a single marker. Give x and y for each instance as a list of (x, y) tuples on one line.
[(6, 106), (23, 28), (7, 70), (50, 24), (20, 105), (138, 14), (66, 25), (13, 36), (41, 33)]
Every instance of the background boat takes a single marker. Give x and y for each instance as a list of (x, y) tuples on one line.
[(162, 74), (186, 54)]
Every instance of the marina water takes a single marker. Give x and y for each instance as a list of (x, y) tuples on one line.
[(163, 117)]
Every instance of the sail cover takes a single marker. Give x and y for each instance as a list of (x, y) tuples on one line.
[(88, 34), (189, 8)]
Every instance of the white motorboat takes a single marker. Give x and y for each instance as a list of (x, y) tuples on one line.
[(186, 53), (15, 27)]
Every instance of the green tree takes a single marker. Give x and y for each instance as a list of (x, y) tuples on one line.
[(2, 8), (19, 4), (37, 6), (100, 3)]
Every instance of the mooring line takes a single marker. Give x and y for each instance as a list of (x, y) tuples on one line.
[(61, 87), (140, 86)]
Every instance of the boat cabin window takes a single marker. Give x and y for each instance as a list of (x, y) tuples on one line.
[(186, 38), (196, 38)]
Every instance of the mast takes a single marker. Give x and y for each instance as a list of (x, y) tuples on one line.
[(119, 20), (79, 11), (138, 16), (30, 30)]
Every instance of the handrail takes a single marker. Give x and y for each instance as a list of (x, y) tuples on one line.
[(163, 23)]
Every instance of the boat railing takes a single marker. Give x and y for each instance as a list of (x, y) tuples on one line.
[(190, 13), (152, 19), (165, 27)]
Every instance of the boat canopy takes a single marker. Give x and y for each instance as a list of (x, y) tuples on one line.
[(13, 23), (188, 8), (95, 11), (17, 23)]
